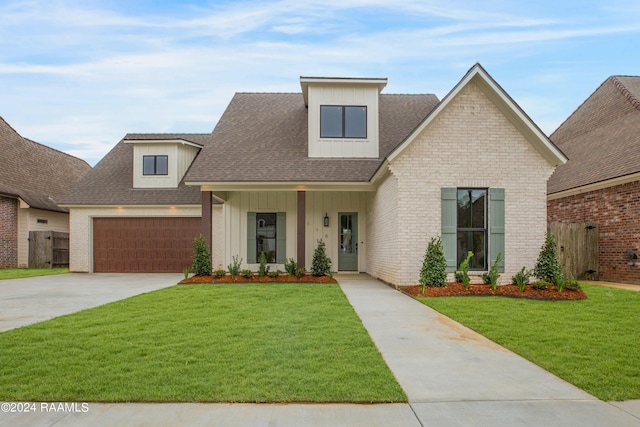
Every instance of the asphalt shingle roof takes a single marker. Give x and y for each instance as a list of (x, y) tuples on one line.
[(111, 180), (38, 174), (601, 137), (262, 137)]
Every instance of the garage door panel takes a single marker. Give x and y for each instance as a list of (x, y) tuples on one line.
[(144, 244)]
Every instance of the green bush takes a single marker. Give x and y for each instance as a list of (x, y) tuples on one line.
[(572, 284), (247, 274), (263, 270), (540, 285), (300, 272), (459, 276), (464, 270), (218, 274), (493, 272), (521, 278), (274, 274), (234, 267), (434, 266), (321, 264), (560, 281), (290, 266), (201, 258), (548, 266)]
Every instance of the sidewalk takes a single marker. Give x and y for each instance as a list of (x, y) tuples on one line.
[(454, 376)]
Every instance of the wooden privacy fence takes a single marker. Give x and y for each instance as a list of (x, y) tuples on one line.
[(577, 248), (48, 249)]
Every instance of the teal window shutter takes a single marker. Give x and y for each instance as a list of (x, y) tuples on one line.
[(496, 227), (448, 199), (251, 238), (281, 237)]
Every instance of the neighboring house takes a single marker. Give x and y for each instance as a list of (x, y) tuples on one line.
[(600, 184), (373, 175), (33, 179)]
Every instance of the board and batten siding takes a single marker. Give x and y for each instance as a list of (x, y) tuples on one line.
[(343, 95), (180, 157), (471, 144)]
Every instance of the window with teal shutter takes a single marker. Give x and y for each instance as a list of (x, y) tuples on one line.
[(266, 232), (473, 220)]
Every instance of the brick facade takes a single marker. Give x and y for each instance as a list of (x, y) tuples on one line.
[(8, 232), (616, 211), (470, 144)]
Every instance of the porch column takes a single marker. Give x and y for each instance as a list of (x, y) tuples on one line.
[(207, 226), (302, 220)]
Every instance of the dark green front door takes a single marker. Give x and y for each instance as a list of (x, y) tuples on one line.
[(348, 240)]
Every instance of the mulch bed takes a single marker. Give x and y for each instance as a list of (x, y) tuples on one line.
[(458, 289), (307, 278)]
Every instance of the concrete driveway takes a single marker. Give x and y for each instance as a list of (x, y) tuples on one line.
[(30, 300)]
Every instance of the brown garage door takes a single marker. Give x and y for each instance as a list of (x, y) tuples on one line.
[(143, 245)]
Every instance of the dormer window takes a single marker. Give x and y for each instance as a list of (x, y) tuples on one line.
[(155, 165), (341, 121)]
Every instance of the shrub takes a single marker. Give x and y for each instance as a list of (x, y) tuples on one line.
[(486, 278), (572, 284), (247, 274), (185, 271), (464, 270), (434, 266), (540, 285), (264, 268), (493, 272), (218, 273), (274, 274), (290, 266), (548, 266), (321, 264), (234, 267), (459, 276), (201, 258), (521, 278), (300, 272), (560, 281)]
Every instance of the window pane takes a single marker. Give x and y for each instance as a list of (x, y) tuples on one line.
[(162, 165), (464, 209), (355, 122), (474, 241), (472, 208), (148, 165), (330, 121), (266, 236)]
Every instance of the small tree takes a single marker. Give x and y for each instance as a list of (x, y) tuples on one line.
[(464, 270), (201, 258), (548, 266), (434, 266), (321, 264)]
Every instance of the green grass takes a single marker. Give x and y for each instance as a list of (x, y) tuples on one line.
[(19, 273), (209, 343), (593, 344)]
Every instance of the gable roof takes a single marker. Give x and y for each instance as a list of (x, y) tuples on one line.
[(601, 137), (262, 137), (505, 104), (35, 173), (110, 182)]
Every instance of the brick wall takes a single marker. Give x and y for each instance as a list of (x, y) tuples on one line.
[(382, 238), (616, 211), (8, 232), (470, 144)]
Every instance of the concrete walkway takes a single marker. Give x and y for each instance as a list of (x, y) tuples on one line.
[(452, 376), (626, 286), (30, 300)]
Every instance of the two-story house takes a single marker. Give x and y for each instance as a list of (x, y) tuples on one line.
[(373, 175)]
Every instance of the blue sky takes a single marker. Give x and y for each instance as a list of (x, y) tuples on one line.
[(79, 75)]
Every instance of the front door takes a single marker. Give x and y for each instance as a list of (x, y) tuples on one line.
[(348, 240)]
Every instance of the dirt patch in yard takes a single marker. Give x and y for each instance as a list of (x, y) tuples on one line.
[(512, 291), (307, 278)]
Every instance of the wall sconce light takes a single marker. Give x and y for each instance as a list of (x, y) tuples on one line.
[(326, 220)]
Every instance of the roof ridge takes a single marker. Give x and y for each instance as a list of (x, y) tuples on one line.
[(625, 92), (43, 145)]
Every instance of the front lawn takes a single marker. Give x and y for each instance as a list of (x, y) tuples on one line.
[(209, 343), (18, 273), (593, 344)]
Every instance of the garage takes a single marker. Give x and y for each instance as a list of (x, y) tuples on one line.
[(144, 244)]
